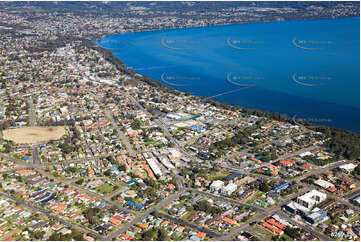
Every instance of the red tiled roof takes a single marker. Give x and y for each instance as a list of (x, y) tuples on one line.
[(272, 228)]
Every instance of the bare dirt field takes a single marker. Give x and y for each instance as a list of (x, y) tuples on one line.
[(33, 135)]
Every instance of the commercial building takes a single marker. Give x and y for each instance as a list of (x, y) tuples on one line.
[(281, 186), (229, 189), (166, 163), (134, 205), (155, 168), (347, 167), (312, 198), (324, 184), (305, 204), (316, 216), (216, 186)]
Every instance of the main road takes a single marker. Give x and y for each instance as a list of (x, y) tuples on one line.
[(121, 135), (185, 223), (35, 151), (69, 183), (140, 218), (47, 214), (162, 204), (31, 112), (225, 199), (35, 154), (305, 227), (269, 212)]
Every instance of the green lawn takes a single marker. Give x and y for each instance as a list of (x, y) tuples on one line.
[(254, 196), (260, 232), (354, 219), (214, 175), (105, 188), (286, 237)]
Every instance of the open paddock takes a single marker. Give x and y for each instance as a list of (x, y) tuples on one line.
[(33, 135)]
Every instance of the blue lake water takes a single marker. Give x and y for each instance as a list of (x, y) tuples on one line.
[(305, 69)]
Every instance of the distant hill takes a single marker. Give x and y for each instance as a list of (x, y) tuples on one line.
[(203, 6)]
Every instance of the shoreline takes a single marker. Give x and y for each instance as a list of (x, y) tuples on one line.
[(229, 24), (152, 82), (158, 83)]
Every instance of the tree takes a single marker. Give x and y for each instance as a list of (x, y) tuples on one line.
[(293, 232), (264, 187), (274, 156), (107, 173), (39, 235), (80, 181), (8, 148), (136, 124), (163, 235), (66, 147), (150, 182), (156, 214), (149, 235), (90, 213), (121, 168)]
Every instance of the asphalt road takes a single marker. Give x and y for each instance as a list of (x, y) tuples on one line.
[(66, 182), (139, 218), (225, 199), (31, 112), (353, 194), (35, 155), (46, 213), (121, 135), (305, 227), (322, 170), (185, 223), (259, 217)]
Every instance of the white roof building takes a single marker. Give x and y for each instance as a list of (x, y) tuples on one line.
[(298, 207), (229, 189), (348, 167), (311, 198), (306, 153), (166, 163), (155, 168), (216, 185), (324, 184)]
